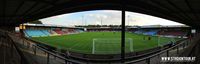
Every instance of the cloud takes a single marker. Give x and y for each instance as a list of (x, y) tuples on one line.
[(108, 17)]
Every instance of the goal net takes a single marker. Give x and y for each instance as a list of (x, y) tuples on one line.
[(110, 45)]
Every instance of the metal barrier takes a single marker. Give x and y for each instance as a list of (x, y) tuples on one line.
[(11, 51), (44, 56), (176, 50), (55, 56)]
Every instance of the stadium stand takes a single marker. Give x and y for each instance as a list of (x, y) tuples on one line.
[(152, 32), (65, 31), (36, 33), (10, 53), (21, 11), (72, 31), (139, 32), (146, 32), (26, 34), (172, 33), (80, 31), (58, 31), (45, 32), (161, 32), (53, 32)]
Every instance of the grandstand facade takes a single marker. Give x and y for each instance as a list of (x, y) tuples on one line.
[(167, 31), (39, 31)]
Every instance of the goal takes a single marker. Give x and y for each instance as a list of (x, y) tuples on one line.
[(110, 45)]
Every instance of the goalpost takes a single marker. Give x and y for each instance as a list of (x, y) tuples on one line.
[(110, 45)]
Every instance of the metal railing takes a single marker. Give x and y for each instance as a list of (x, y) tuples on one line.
[(46, 56), (174, 50), (56, 56), (13, 53)]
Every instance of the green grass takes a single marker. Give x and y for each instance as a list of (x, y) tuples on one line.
[(82, 42)]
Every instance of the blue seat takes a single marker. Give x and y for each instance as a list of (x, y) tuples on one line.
[(152, 32), (46, 32), (36, 33)]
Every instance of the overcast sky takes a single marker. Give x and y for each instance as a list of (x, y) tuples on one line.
[(107, 17)]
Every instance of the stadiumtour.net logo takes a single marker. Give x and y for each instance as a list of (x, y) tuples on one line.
[(178, 59)]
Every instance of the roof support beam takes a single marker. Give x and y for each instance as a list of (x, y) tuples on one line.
[(15, 12), (171, 3), (24, 15), (192, 10), (170, 10), (43, 1), (4, 11), (123, 32)]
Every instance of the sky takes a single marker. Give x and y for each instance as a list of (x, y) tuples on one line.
[(105, 17)]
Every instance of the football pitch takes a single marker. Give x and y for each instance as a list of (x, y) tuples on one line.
[(84, 42)]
